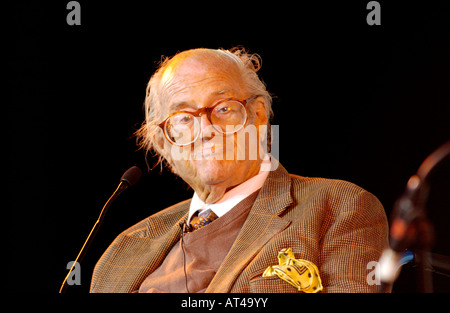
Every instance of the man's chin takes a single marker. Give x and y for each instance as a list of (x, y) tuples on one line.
[(213, 172), (213, 179)]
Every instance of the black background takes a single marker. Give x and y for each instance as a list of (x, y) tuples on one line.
[(356, 102)]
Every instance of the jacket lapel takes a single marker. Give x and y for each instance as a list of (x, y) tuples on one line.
[(263, 222)]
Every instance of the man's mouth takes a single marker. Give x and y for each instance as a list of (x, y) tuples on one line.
[(208, 150)]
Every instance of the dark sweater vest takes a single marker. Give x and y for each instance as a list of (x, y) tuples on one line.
[(204, 251)]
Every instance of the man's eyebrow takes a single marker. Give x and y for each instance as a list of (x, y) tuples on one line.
[(176, 106), (221, 92), (183, 104)]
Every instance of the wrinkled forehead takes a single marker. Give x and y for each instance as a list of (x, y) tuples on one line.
[(197, 63), (186, 70)]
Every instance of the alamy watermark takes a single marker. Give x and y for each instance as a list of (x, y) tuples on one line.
[(374, 16), (74, 16), (373, 277), (249, 143), (74, 276)]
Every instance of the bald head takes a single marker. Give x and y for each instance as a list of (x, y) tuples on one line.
[(194, 65)]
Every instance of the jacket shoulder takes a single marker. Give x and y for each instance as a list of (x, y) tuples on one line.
[(334, 194), (325, 184), (158, 223)]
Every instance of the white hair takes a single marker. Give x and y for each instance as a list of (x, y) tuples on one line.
[(247, 66)]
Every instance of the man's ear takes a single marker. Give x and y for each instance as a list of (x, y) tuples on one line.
[(260, 109), (261, 120), (158, 143), (162, 147)]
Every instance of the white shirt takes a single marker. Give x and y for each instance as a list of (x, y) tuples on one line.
[(233, 196)]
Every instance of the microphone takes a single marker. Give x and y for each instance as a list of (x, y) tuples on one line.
[(185, 227), (131, 176), (128, 179), (409, 222)]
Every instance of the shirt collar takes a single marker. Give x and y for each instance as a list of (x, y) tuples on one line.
[(235, 195)]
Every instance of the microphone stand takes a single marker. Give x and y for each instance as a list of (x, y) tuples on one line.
[(120, 188), (129, 178)]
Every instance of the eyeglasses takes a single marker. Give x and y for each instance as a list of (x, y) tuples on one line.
[(227, 116)]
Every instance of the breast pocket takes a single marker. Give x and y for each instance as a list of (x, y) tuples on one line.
[(273, 284)]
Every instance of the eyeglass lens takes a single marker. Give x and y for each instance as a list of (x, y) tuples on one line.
[(227, 117)]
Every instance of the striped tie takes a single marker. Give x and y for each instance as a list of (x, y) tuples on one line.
[(203, 219)]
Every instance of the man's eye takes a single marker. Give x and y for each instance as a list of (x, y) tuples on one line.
[(223, 109), (181, 119), (185, 119)]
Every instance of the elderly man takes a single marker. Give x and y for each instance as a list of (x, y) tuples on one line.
[(250, 225)]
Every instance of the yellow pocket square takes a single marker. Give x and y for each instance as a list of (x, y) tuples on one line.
[(302, 274)]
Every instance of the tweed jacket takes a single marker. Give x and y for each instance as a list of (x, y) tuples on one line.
[(335, 224)]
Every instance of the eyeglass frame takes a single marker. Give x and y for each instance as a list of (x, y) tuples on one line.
[(208, 111)]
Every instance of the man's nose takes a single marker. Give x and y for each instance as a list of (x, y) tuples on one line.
[(204, 121), (207, 130)]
